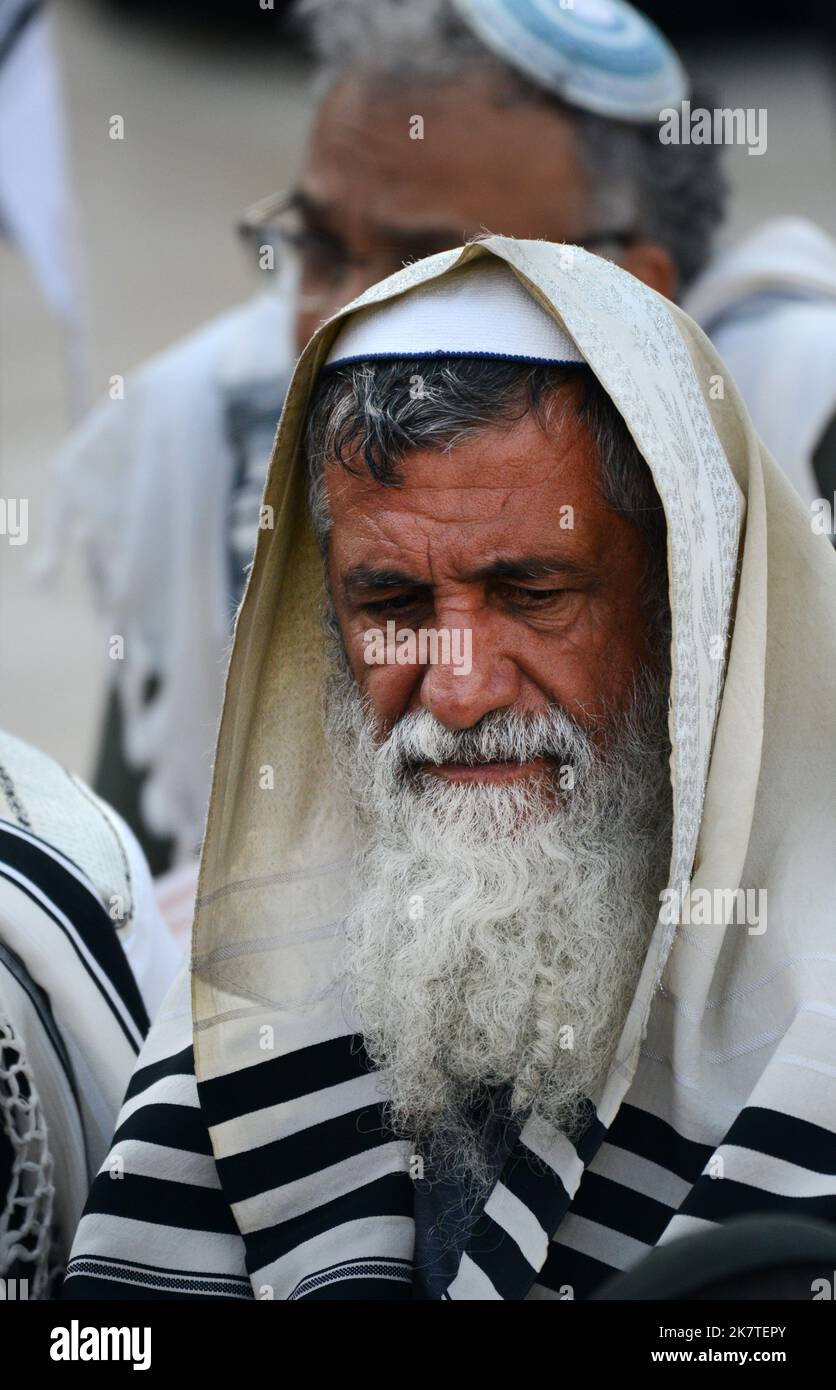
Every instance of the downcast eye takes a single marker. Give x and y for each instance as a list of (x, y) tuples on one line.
[(534, 595)]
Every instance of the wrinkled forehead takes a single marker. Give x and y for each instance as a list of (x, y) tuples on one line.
[(392, 431), (505, 495), (462, 470)]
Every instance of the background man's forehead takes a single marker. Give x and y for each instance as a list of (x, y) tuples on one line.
[(485, 158)]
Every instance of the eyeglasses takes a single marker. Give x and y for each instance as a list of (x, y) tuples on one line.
[(285, 223), (281, 224)]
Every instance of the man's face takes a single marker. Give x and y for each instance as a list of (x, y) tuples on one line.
[(511, 813), (495, 900), (477, 539), (372, 198)]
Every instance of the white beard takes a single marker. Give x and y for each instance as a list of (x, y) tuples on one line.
[(498, 932)]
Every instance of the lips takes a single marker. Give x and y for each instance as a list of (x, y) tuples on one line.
[(502, 771)]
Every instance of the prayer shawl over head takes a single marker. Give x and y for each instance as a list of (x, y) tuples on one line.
[(256, 1162), (176, 470)]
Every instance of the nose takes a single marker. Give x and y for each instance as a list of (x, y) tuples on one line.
[(460, 697)]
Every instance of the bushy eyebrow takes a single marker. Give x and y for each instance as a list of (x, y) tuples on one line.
[(368, 579), (362, 580), (533, 567)]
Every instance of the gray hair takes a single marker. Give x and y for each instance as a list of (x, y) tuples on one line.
[(377, 411), (672, 194)]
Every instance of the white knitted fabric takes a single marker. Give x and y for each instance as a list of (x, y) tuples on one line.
[(482, 310)]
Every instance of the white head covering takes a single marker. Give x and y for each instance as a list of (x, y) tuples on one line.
[(457, 316)]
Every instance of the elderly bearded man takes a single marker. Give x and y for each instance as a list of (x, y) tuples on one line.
[(441, 1043)]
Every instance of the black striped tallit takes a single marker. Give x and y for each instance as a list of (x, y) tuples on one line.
[(72, 1021), (140, 1235)]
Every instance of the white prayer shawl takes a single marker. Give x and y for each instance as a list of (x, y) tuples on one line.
[(35, 199), (84, 959), (38, 208), (144, 484), (254, 1118), (769, 306)]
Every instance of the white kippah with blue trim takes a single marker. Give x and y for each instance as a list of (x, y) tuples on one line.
[(478, 310), (601, 55)]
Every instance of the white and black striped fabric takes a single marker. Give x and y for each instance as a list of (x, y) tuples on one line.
[(66, 896), (84, 955), (176, 1223), (72, 1020)]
